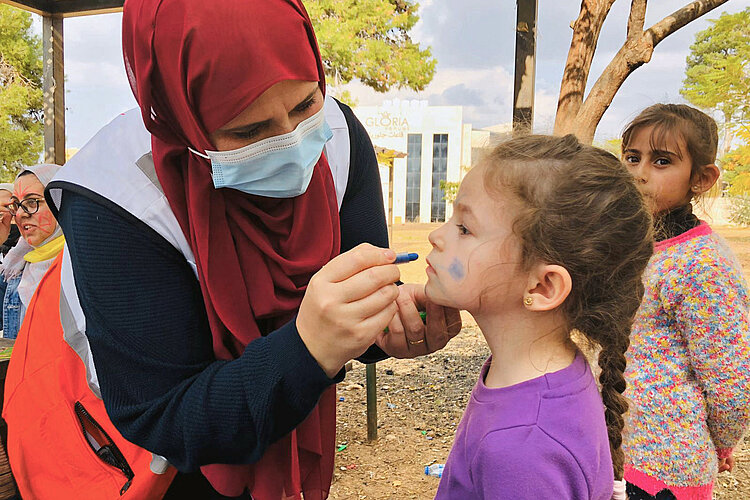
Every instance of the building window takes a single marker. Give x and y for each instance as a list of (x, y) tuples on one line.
[(413, 175), (439, 173)]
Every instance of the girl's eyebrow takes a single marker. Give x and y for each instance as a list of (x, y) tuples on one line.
[(464, 210), (655, 152), (265, 123), (664, 152)]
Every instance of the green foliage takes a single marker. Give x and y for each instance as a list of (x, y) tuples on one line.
[(614, 146), (450, 190), (369, 40), (736, 165), (739, 210), (717, 75), (21, 134)]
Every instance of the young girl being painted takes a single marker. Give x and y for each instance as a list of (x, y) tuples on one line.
[(688, 369), (547, 236)]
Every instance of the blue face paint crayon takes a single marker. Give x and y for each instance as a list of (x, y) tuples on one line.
[(402, 258)]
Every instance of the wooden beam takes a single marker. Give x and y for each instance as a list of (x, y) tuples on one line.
[(53, 83), (71, 8), (67, 8), (525, 67)]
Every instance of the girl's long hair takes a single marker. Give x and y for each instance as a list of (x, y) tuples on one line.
[(579, 208)]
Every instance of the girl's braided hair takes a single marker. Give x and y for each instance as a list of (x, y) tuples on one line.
[(578, 207)]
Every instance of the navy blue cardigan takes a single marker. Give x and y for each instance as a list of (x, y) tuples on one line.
[(151, 343)]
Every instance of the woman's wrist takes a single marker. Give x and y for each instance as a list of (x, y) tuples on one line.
[(326, 359)]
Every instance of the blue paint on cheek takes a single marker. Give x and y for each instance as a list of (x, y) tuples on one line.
[(456, 270)]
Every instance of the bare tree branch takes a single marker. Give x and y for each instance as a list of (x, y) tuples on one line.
[(636, 51), (637, 18), (680, 18)]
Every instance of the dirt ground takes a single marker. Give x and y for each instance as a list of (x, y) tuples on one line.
[(420, 403)]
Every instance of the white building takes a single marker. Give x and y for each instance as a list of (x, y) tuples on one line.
[(437, 144)]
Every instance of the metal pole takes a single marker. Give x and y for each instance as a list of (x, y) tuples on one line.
[(372, 403), (525, 68), (53, 83), (390, 202)]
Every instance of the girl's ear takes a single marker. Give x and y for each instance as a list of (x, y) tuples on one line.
[(704, 179), (548, 287)]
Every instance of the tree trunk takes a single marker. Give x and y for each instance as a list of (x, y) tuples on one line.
[(586, 30), (726, 143), (636, 51), (627, 59)]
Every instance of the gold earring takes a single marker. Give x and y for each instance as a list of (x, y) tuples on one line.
[(528, 300)]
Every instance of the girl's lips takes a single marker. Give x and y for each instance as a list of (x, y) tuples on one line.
[(429, 269)]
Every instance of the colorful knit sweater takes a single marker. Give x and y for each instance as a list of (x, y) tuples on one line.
[(688, 367)]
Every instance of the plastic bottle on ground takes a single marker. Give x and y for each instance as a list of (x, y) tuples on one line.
[(434, 470)]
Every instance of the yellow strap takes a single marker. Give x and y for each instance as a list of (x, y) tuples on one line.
[(46, 251)]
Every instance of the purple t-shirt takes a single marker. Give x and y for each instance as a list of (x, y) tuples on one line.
[(543, 438)]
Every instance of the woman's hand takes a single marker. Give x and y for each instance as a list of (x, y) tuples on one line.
[(408, 336), (5, 219), (347, 305)]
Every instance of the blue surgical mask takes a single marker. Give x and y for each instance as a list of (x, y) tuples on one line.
[(277, 167)]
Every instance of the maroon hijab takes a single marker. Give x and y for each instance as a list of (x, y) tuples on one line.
[(194, 65)]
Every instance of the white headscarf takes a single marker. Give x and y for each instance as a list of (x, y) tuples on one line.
[(45, 172), (14, 262)]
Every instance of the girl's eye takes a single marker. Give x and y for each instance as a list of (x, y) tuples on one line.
[(662, 162), (462, 229), (631, 159)]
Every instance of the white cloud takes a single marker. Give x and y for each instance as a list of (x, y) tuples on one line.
[(473, 42)]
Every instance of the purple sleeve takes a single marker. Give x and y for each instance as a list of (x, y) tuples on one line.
[(525, 463)]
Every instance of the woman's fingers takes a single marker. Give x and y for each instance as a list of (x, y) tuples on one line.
[(367, 282), (413, 327), (372, 304), (347, 305), (452, 320), (356, 260), (377, 323)]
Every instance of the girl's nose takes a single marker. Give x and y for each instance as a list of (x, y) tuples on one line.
[(435, 238), (640, 172)]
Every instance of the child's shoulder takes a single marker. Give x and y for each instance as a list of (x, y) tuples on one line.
[(698, 251)]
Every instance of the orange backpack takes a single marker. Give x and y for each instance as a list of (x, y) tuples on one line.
[(61, 443)]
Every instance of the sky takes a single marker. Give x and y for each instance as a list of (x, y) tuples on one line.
[(473, 42)]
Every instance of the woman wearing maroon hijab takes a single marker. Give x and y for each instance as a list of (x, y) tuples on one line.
[(231, 376)]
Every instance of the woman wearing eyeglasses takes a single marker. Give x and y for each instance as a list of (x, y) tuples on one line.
[(42, 240)]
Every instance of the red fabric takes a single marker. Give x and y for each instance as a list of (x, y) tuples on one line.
[(193, 66)]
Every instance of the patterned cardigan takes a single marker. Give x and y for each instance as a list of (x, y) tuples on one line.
[(688, 367)]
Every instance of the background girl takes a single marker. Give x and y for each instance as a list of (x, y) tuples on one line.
[(689, 362), (547, 236)]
